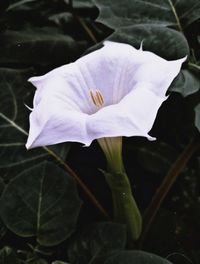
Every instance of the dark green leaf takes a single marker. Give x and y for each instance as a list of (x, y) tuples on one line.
[(161, 236), (3, 230), (59, 262), (4, 5), (83, 4), (98, 242), (20, 3), (197, 116), (43, 202), (194, 67), (14, 123), (38, 47), (37, 261), (64, 18), (2, 185), (13, 117), (186, 83), (2, 226), (8, 256), (136, 257), (167, 43), (156, 157), (118, 13)]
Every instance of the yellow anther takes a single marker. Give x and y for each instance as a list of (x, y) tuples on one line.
[(97, 98)]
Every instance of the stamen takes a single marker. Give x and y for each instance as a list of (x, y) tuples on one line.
[(97, 98)]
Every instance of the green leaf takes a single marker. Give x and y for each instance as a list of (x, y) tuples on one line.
[(194, 67), (15, 92), (197, 116), (160, 238), (156, 157), (3, 5), (37, 261), (3, 229), (82, 4), (136, 257), (38, 47), (43, 202), (59, 262), (13, 117), (180, 14), (186, 83), (8, 256), (20, 3), (96, 243), (165, 42), (2, 185)]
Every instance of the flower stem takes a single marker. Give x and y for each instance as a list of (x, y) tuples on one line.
[(125, 209)]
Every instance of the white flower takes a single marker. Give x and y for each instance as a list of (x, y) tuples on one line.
[(114, 91)]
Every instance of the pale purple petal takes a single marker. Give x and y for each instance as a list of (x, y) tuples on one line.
[(132, 82), (133, 116)]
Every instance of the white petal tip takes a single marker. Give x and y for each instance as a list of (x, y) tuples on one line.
[(29, 108), (151, 138), (141, 45), (36, 81), (32, 79), (107, 42), (183, 59), (27, 146)]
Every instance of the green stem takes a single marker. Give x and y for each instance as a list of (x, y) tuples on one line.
[(125, 209)]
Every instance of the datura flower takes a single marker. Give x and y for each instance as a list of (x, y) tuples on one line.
[(112, 92)]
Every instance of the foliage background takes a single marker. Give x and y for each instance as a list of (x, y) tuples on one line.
[(45, 218)]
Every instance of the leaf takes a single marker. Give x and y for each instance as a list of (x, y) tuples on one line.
[(13, 117), (20, 3), (186, 83), (38, 47), (197, 116), (37, 261), (161, 236), (136, 257), (13, 123), (43, 202), (3, 229), (156, 157), (180, 14), (3, 5), (62, 19), (82, 4), (2, 185), (8, 256), (59, 262), (165, 42), (98, 242)]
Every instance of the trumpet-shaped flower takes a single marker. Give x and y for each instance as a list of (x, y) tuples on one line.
[(112, 92)]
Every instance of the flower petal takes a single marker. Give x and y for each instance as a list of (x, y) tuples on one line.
[(55, 116), (133, 116), (133, 83)]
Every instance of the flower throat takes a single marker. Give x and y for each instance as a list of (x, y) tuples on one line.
[(97, 98)]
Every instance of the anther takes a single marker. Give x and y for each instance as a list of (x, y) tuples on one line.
[(97, 98)]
